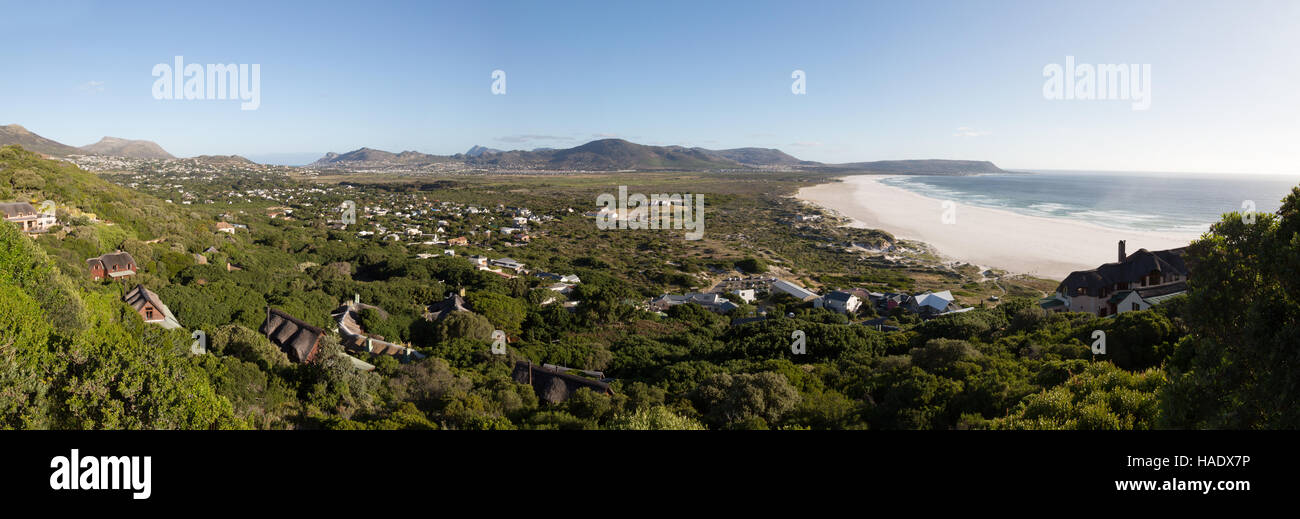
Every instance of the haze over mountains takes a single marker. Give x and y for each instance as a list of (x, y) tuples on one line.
[(599, 155)]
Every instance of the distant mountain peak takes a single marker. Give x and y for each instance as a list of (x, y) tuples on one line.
[(477, 150), (223, 159)]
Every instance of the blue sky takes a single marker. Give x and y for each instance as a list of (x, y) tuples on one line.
[(897, 80)]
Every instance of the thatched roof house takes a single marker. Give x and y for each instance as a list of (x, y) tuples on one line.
[(553, 385), (150, 307), (1144, 268), (115, 265), (299, 340), (442, 309)]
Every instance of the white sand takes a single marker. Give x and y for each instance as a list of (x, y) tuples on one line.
[(1046, 247)]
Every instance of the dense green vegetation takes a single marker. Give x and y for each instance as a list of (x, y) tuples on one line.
[(72, 355)]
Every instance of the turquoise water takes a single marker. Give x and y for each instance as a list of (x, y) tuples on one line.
[(1160, 202)]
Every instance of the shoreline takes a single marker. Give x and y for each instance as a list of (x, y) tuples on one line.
[(1018, 243)]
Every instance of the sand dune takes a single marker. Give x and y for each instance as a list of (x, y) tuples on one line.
[(1047, 247)]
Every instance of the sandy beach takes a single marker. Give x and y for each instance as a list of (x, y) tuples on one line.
[(1046, 247)]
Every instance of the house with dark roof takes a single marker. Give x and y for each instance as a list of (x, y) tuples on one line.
[(839, 301), (443, 309), (1135, 282), (114, 265), (299, 340), (554, 384), (150, 307), (888, 301)]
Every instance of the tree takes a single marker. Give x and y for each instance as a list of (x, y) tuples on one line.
[(504, 311), (465, 325), (752, 265), (247, 345), (1236, 369), (745, 399), (378, 323), (657, 418)]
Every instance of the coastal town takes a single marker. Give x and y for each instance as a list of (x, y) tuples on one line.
[(486, 237)]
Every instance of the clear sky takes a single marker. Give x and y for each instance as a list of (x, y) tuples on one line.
[(896, 80)]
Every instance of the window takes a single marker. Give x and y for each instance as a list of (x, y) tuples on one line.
[(1135, 307), (148, 313)]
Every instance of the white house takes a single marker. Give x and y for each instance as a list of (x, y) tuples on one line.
[(933, 303), (1127, 301), (747, 295), (839, 301)]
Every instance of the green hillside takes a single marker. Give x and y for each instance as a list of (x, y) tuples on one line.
[(80, 359)]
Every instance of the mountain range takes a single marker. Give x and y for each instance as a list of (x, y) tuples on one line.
[(622, 155), (599, 155)]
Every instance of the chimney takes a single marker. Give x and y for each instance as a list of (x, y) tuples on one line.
[(1121, 251)]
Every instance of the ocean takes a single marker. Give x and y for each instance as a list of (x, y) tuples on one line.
[(1161, 202)]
